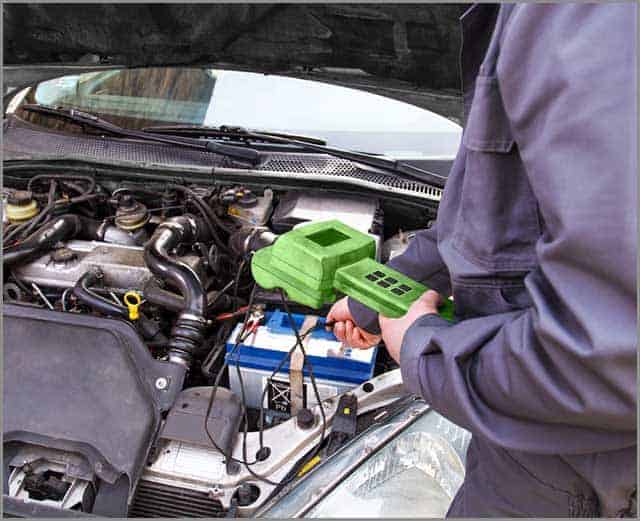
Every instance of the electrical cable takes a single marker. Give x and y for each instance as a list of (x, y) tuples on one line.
[(239, 340), (237, 282), (214, 390), (242, 335), (208, 214), (275, 371), (66, 177), (299, 343)]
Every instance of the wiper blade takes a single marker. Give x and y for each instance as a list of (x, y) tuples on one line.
[(391, 165), (90, 120), (228, 131)]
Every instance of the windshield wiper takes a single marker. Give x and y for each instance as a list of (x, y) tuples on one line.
[(249, 155), (242, 153), (309, 144), (228, 131)]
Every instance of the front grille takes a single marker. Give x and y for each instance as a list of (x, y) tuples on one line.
[(157, 500)]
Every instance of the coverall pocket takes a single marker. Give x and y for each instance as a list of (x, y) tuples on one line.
[(476, 298), (499, 224)]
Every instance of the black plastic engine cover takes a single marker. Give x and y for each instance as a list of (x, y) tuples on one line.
[(185, 422), (86, 385)]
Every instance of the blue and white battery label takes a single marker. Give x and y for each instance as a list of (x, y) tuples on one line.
[(321, 345)]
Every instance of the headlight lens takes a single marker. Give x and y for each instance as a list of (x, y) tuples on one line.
[(415, 475)]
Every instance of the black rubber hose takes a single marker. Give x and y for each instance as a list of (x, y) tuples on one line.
[(188, 333), (62, 228), (154, 294), (65, 177), (167, 236), (86, 296)]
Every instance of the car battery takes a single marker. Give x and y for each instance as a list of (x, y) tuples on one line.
[(337, 368)]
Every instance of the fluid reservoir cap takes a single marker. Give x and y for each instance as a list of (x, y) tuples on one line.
[(20, 207), (20, 198), (247, 199)]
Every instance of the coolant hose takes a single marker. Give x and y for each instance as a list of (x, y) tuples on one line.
[(61, 228), (188, 333), (82, 292)]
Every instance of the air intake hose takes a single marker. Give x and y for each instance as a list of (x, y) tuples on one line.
[(188, 333), (61, 228), (83, 293)]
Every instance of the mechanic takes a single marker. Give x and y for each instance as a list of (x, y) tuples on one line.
[(536, 240)]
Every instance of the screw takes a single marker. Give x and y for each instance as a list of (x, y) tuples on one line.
[(162, 383), (216, 491)]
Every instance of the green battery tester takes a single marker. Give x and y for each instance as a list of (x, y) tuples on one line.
[(312, 262)]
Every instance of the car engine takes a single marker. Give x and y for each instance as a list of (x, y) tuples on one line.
[(127, 309)]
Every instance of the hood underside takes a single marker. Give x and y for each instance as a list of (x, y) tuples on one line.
[(409, 52)]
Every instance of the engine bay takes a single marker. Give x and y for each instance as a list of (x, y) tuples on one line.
[(146, 374)]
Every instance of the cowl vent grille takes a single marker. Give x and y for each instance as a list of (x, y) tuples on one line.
[(334, 167), (23, 140)]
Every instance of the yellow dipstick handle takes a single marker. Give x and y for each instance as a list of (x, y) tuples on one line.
[(132, 300)]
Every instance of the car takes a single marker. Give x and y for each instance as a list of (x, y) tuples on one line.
[(145, 373)]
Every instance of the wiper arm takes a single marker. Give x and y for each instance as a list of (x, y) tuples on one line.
[(383, 163), (90, 120), (228, 131)]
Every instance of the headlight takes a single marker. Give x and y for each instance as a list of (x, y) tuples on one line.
[(415, 473)]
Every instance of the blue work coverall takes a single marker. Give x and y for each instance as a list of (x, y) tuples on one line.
[(536, 240)]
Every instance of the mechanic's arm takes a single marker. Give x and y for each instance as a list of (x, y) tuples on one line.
[(560, 376), (420, 261)]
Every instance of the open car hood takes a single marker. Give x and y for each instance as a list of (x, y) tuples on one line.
[(407, 52)]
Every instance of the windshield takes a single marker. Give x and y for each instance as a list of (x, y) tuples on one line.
[(343, 117)]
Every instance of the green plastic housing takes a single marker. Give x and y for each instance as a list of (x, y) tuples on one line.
[(311, 262), (386, 290), (303, 261)]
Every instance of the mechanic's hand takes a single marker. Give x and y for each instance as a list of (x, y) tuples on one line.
[(393, 329), (345, 329)]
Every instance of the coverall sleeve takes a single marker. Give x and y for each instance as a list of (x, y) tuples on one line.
[(558, 377), (420, 261)]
